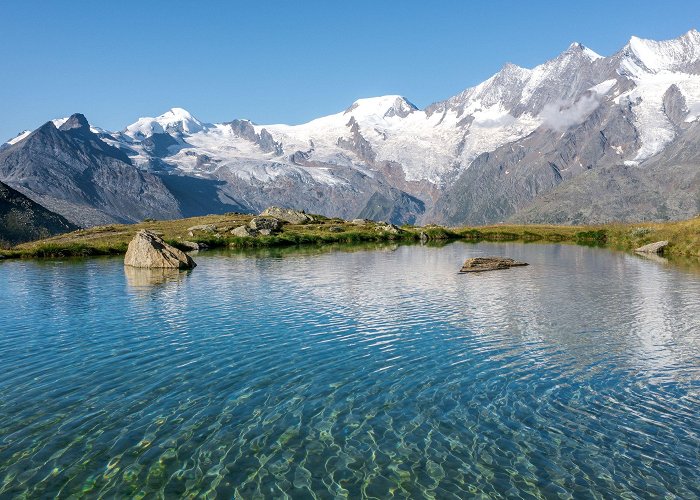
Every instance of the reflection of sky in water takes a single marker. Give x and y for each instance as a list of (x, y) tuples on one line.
[(360, 373)]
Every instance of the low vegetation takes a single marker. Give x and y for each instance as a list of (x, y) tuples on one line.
[(215, 232)]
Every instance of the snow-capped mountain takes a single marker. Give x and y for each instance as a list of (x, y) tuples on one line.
[(489, 153)]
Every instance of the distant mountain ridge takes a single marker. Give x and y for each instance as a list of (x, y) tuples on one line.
[(579, 138)]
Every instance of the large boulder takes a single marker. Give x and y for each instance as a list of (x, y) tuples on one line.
[(266, 224), (244, 232), (480, 264), (288, 215), (148, 250), (657, 248)]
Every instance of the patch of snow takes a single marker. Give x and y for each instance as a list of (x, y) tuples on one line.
[(59, 121), (175, 120), (604, 87), (19, 137)]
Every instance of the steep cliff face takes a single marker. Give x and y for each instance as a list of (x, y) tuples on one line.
[(21, 219)]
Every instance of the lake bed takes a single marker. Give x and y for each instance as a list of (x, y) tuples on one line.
[(373, 372)]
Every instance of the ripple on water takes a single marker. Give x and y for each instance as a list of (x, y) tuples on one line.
[(373, 373)]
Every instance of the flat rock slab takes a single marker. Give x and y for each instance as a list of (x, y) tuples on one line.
[(148, 250), (657, 247), (481, 264)]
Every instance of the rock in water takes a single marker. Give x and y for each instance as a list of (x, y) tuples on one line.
[(657, 247), (150, 251), (480, 264), (288, 215)]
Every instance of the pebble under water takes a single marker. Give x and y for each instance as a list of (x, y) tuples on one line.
[(367, 373)]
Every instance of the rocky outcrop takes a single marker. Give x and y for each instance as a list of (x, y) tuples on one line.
[(268, 224), (481, 264), (653, 248), (21, 219), (244, 232), (387, 228), (148, 250), (258, 226), (288, 215), (191, 246)]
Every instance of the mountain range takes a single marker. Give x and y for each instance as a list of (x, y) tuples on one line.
[(581, 138)]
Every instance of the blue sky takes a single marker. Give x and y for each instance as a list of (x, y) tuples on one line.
[(286, 61)]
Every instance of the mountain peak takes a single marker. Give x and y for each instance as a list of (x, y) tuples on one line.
[(75, 121), (175, 120), (579, 48), (383, 106), (641, 54)]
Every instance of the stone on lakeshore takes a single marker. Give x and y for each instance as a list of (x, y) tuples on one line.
[(288, 215), (148, 250), (190, 245), (335, 229), (270, 224), (480, 264), (244, 232), (387, 228), (657, 247), (360, 222)]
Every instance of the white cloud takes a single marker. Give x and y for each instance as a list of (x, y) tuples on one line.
[(560, 115)]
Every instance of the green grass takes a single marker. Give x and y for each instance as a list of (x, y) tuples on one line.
[(684, 236)]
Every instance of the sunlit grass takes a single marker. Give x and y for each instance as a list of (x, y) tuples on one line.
[(684, 236)]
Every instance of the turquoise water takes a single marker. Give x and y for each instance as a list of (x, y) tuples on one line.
[(372, 373)]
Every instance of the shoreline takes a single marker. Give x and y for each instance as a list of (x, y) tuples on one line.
[(214, 231)]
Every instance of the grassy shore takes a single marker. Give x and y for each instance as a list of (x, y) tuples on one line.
[(684, 236)]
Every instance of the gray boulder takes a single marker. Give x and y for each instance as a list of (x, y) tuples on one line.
[(288, 215), (270, 224), (148, 250), (190, 245), (657, 248), (387, 228), (244, 232)]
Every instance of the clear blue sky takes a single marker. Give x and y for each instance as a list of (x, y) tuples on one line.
[(285, 61)]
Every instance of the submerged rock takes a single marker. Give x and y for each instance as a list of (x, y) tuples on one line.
[(657, 247), (288, 215), (148, 250), (480, 264)]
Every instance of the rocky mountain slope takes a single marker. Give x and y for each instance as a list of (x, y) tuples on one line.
[(23, 220), (579, 138)]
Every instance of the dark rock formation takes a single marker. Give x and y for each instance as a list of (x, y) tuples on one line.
[(21, 219)]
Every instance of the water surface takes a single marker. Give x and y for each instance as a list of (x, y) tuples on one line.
[(371, 373)]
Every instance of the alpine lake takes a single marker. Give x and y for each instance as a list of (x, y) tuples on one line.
[(359, 372)]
